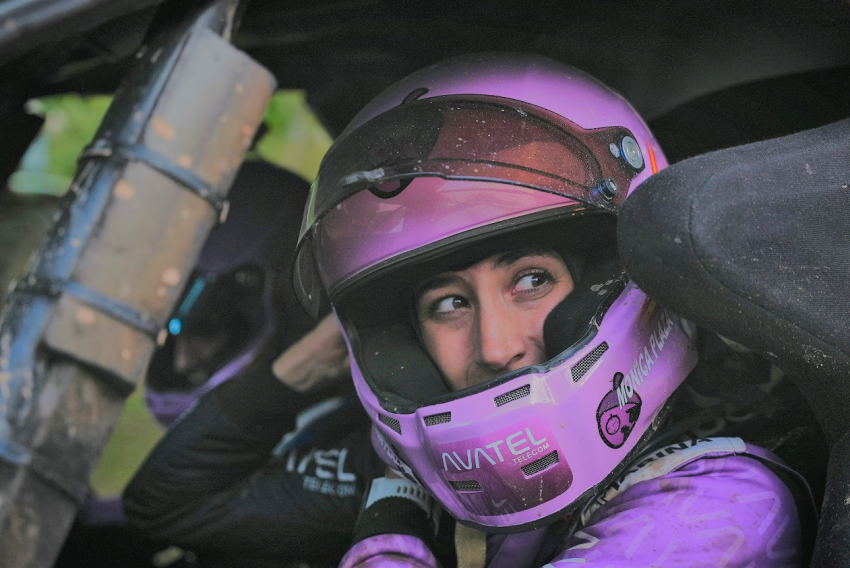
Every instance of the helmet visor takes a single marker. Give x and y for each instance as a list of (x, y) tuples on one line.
[(479, 138)]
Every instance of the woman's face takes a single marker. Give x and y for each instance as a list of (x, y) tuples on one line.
[(486, 320)]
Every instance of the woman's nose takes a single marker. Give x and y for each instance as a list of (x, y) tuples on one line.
[(501, 341)]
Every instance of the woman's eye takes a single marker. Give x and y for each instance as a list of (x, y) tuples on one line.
[(450, 304), (531, 282)]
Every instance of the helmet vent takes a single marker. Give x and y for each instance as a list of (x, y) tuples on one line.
[(583, 366), (537, 466), (442, 418), (466, 486), (391, 422), (513, 395)]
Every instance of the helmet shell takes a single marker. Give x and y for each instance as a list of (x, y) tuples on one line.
[(517, 451), (565, 91)]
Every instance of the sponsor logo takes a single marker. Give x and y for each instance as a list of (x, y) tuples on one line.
[(323, 471), (615, 417), (515, 448), (646, 358)]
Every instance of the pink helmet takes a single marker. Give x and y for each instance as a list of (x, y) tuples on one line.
[(449, 166)]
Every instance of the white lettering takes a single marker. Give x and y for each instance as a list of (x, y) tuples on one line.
[(445, 465), (645, 361), (665, 325), (326, 459), (468, 458), (473, 456), (305, 461), (513, 445), (635, 376), (649, 361), (481, 451), (533, 441), (495, 446), (341, 474), (530, 454)]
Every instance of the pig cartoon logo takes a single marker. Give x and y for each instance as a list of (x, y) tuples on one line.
[(616, 422)]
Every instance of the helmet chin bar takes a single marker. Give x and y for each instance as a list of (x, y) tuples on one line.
[(582, 500), (389, 454)]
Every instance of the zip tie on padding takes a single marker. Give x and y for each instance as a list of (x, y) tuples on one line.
[(102, 149), (53, 288)]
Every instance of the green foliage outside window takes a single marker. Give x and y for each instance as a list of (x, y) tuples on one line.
[(295, 139)]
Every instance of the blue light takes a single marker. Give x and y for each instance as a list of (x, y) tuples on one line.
[(174, 326)]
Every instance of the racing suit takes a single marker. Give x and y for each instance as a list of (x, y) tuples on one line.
[(698, 502)]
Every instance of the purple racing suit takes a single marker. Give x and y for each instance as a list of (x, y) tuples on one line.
[(715, 502)]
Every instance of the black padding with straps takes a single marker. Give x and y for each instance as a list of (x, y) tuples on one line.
[(753, 243)]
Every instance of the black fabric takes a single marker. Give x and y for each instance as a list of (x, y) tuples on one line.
[(111, 546), (256, 401), (394, 515), (394, 358), (754, 243), (752, 112), (573, 317), (832, 549), (734, 393), (211, 485), (737, 393)]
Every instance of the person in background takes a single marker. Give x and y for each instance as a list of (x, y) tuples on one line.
[(243, 366)]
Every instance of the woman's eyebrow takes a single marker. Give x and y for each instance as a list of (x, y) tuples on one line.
[(512, 256), (433, 284)]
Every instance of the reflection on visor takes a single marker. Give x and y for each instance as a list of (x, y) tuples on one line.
[(478, 138)]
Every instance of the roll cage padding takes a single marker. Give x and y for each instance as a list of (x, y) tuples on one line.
[(79, 330), (753, 243)]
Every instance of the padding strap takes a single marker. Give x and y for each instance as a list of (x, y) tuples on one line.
[(101, 149), (384, 487), (470, 546), (53, 288)]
